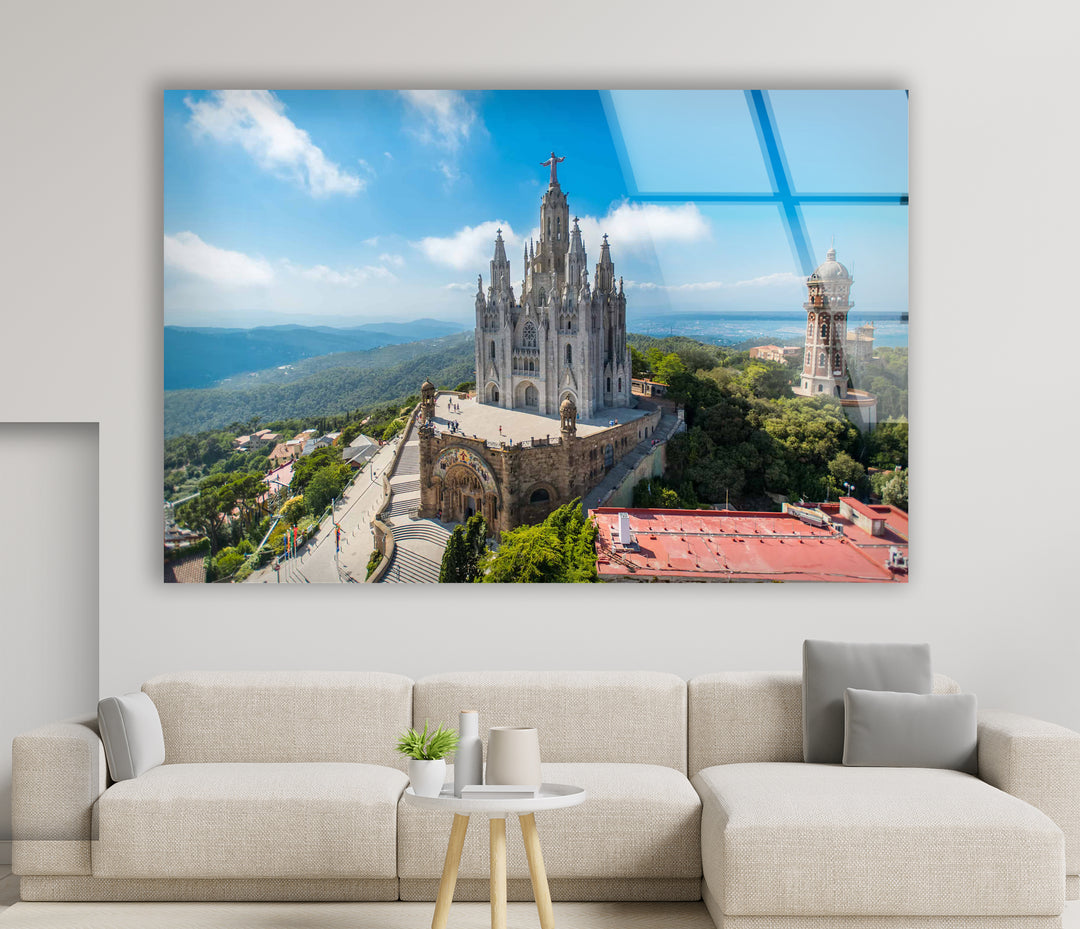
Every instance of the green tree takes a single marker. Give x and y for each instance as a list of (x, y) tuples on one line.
[(560, 549), (888, 445), (843, 468), (639, 365), (327, 484), (294, 511), (895, 490), (668, 368), (455, 558)]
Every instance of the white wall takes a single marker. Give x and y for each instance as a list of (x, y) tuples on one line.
[(993, 231), (48, 576)]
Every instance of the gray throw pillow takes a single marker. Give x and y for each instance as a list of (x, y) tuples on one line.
[(829, 668), (131, 730), (895, 730)]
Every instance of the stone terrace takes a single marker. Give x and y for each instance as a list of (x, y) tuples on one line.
[(483, 421)]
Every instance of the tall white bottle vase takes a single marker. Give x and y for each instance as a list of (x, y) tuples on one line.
[(469, 760)]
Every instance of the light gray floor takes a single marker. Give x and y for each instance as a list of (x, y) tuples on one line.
[(350, 915)]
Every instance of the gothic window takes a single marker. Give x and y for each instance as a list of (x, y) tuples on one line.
[(609, 385), (539, 496), (820, 387), (620, 385), (492, 350), (558, 227), (542, 299), (825, 330), (821, 360), (808, 358), (549, 227), (569, 355), (528, 332)]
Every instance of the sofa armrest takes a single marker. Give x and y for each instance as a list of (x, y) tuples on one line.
[(57, 773), (1038, 762)]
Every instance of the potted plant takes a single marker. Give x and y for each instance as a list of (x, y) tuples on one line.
[(427, 753)]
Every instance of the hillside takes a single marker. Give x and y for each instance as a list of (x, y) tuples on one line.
[(200, 356), (318, 386)]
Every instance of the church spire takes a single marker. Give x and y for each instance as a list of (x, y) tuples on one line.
[(605, 270)]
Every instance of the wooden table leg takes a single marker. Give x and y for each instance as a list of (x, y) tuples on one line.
[(450, 870), (498, 872), (537, 872)]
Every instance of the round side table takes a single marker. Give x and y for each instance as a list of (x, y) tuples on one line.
[(550, 797)]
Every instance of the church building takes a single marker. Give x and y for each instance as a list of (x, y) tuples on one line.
[(563, 338), (553, 412)]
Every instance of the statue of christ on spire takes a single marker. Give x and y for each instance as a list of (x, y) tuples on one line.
[(553, 161)]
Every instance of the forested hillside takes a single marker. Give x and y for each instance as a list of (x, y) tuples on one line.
[(200, 356), (318, 386)]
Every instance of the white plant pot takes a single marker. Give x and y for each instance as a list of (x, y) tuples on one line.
[(427, 777), (513, 756)]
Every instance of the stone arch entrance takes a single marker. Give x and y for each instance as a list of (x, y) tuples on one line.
[(462, 495), (609, 456), (492, 392), (527, 396)]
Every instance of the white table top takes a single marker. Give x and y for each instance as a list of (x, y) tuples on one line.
[(551, 797)]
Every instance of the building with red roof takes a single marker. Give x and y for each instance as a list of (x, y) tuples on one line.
[(846, 541)]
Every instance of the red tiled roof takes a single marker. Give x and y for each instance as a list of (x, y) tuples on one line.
[(742, 546), (189, 570)]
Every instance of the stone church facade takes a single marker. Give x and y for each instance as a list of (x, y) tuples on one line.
[(564, 338)]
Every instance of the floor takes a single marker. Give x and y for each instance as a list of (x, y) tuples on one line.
[(348, 915)]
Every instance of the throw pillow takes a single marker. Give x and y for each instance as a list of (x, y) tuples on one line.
[(897, 730), (829, 668), (131, 730)]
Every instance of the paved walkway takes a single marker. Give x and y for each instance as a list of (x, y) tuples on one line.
[(318, 562), (666, 428)]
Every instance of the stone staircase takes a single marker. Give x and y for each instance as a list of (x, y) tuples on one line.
[(418, 543), (418, 549)]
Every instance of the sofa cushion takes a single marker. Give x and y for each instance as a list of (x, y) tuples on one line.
[(823, 840), (745, 716), (131, 733), (885, 729), (831, 667), (638, 821), (250, 820), (642, 714), (282, 716)]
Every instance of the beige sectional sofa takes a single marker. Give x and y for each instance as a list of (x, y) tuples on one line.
[(285, 786)]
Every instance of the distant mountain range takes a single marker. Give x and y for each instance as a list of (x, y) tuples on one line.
[(333, 383), (203, 356)]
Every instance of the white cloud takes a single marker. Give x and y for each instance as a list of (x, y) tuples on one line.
[(388, 259), (470, 248), (779, 279), (186, 252), (471, 288), (349, 277), (449, 172), (446, 117), (633, 226), (373, 241), (256, 120), (388, 155)]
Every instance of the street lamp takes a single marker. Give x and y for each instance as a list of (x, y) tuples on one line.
[(850, 488)]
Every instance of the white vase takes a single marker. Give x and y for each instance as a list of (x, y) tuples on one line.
[(469, 759), (513, 756), (426, 777)]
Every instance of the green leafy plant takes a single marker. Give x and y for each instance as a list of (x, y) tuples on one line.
[(425, 746)]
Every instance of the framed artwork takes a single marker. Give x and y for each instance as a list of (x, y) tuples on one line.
[(535, 336)]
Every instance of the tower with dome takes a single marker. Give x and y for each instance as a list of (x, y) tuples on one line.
[(825, 368)]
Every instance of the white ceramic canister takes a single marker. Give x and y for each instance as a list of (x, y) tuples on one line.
[(513, 756), (469, 759)]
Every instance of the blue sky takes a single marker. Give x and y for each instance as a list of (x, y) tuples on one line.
[(336, 207)]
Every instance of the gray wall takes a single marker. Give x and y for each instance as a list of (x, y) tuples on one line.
[(993, 143), (48, 575)]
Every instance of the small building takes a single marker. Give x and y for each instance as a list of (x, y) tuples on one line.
[(846, 541), (362, 449), (643, 387), (777, 353)]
